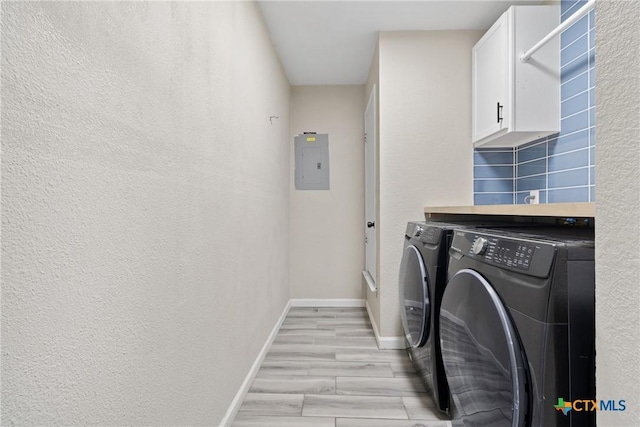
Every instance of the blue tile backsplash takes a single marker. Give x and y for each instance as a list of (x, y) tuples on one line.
[(561, 166)]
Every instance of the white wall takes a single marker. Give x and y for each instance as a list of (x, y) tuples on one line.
[(145, 201), (618, 205), (327, 226), (426, 157)]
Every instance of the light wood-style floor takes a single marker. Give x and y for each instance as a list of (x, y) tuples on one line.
[(324, 369)]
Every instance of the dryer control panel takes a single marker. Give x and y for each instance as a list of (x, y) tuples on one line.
[(523, 255), (423, 232)]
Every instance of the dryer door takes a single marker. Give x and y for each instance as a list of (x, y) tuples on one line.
[(484, 362), (414, 297)]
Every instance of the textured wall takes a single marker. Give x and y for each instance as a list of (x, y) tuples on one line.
[(426, 157), (145, 201), (618, 223), (327, 227)]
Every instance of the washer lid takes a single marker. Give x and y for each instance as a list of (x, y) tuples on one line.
[(414, 297), (485, 366)]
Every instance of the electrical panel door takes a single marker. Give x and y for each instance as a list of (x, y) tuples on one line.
[(312, 162)]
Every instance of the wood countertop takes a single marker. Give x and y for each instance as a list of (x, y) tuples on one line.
[(578, 210)]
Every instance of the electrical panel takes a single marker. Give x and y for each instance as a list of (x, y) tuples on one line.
[(312, 161)]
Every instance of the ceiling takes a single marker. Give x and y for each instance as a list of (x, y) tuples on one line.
[(332, 42)]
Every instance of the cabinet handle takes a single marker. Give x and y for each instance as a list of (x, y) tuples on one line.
[(499, 113)]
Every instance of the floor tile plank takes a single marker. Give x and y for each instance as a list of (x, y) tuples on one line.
[(303, 310), (300, 355), (308, 314), (296, 384), (346, 342), (283, 367), (371, 355), (293, 339), (402, 386), (345, 312), (272, 404), (351, 369), (354, 332), (308, 332), (305, 324), (403, 369), (345, 322), (305, 321), (368, 422), (353, 406), (271, 421)]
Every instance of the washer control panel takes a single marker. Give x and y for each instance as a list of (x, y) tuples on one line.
[(522, 255), (506, 252)]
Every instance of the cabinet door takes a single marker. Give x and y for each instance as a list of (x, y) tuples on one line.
[(489, 81)]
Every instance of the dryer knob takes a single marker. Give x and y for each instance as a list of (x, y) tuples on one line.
[(418, 232), (480, 246)]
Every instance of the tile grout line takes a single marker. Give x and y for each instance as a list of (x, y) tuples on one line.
[(405, 409)]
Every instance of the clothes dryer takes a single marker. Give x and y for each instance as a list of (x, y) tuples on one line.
[(517, 327), (423, 275)]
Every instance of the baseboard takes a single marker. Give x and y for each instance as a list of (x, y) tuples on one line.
[(370, 282), (327, 302), (234, 407), (391, 343), (385, 343)]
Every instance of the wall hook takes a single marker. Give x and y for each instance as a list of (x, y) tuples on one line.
[(273, 117)]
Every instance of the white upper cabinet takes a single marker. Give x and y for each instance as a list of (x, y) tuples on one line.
[(516, 102)]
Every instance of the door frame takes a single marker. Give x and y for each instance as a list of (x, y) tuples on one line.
[(370, 178)]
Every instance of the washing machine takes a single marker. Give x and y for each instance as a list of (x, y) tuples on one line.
[(517, 327), (423, 275)]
